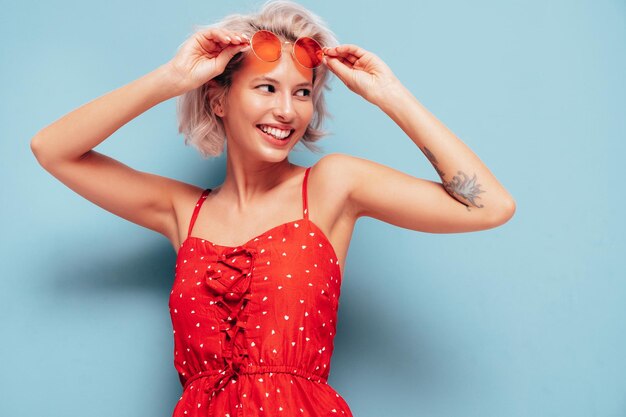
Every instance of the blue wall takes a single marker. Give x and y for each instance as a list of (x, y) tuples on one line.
[(527, 319)]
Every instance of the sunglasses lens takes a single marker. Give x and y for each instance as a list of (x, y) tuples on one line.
[(308, 52), (266, 45)]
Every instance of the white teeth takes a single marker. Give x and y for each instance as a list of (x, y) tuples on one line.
[(277, 133)]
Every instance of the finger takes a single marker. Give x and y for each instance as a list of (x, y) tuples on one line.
[(215, 35), (348, 58), (237, 38), (229, 52), (345, 62), (338, 67), (352, 49), (348, 61), (344, 53), (347, 49)]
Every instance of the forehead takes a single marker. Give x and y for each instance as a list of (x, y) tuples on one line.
[(285, 70)]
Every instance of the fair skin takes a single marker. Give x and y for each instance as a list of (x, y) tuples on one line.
[(256, 168), (262, 188)]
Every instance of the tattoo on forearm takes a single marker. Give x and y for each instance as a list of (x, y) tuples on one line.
[(465, 187), (433, 161)]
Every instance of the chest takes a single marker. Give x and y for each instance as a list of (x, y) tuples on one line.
[(291, 265)]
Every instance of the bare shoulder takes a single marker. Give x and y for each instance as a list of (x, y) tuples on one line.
[(184, 197), (334, 176), (332, 210)]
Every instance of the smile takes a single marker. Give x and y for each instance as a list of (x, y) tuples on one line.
[(277, 134)]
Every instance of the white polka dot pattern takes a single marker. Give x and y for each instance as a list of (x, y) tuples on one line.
[(254, 324)]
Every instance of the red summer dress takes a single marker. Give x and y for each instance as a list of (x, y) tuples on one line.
[(254, 324)]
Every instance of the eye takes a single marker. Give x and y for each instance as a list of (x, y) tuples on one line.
[(307, 92)]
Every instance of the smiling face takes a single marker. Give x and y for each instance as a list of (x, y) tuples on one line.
[(267, 93)]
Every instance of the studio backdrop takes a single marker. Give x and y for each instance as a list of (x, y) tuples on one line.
[(524, 320)]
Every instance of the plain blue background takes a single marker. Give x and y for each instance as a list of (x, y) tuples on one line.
[(528, 319)]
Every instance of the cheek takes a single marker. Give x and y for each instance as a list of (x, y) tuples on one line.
[(305, 109)]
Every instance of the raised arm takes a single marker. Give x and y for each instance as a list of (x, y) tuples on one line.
[(469, 198), (464, 176), (65, 148)]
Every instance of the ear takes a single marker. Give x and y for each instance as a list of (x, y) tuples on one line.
[(218, 109)]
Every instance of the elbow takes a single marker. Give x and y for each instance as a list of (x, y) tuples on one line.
[(35, 146), (505, 213), (37, 150)]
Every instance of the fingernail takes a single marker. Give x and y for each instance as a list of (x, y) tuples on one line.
[(228, 37)]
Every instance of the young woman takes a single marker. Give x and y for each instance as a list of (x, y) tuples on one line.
[(260, 258)]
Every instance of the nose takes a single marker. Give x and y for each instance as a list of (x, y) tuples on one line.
[(284, 108)]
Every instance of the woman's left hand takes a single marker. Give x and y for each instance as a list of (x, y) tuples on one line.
[(361, 71)]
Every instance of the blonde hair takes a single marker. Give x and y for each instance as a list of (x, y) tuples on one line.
[(202, 128)]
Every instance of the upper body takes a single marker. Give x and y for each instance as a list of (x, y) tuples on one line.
[(262, 187), (220, 222)]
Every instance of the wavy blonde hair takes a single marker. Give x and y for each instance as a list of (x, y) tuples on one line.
[(202, 128)]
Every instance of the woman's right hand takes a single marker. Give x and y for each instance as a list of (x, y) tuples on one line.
[(204, 56)]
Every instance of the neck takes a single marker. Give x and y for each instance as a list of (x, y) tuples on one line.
[(247, 181)]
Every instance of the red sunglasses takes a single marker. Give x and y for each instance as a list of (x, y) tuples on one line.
[(267, 47)]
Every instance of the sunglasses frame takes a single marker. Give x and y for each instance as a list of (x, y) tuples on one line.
[(293, 48)]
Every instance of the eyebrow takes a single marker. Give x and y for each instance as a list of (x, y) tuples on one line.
[(266, 78)]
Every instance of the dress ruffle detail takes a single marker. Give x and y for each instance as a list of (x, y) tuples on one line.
[(229, 278)]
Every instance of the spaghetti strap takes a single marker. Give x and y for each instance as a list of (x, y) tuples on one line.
[(305, 209), (221, 292), (205, 193)]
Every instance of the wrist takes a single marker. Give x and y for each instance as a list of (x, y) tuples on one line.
[(170, 80), (394, 93)]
